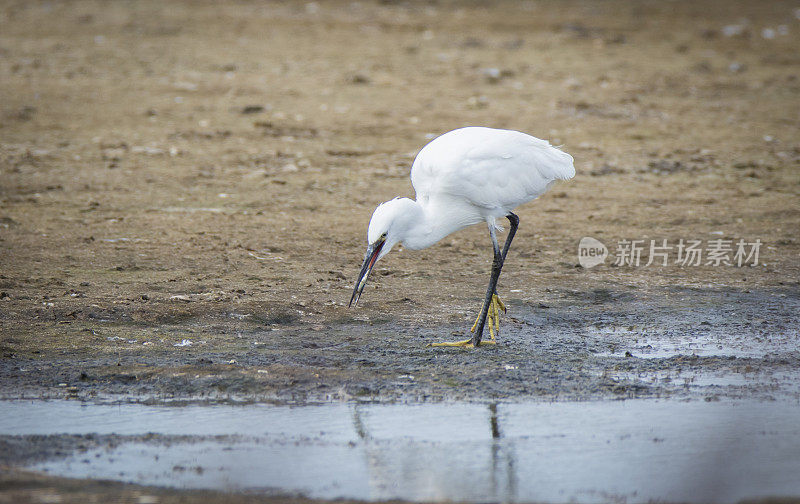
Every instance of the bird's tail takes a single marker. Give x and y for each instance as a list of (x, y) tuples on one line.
[(561, 164)]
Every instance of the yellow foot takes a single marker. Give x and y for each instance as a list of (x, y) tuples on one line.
[(467, 343), (492, 317), (492, 320)]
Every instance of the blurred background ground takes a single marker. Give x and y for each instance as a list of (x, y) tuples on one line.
[(186, 173)]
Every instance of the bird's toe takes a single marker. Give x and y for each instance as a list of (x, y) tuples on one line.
[(463, 344)]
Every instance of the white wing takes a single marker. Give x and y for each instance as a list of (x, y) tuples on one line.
[(491, 168)]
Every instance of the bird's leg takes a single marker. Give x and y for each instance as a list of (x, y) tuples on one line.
[(492, 313), (492, 304), (514, 221), (489, 307)]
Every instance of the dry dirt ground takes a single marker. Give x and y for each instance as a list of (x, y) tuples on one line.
[(185, 189)]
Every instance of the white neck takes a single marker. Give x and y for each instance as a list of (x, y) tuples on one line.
[(432, 221)]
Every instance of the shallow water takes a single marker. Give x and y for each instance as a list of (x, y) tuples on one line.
[(666, 344), (584, 452)]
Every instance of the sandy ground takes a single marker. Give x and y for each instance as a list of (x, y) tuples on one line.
[(185, 189)]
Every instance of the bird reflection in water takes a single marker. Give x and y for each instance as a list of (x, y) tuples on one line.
[(422, 468)]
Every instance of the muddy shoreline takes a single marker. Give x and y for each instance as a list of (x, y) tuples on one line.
[(605, 344)]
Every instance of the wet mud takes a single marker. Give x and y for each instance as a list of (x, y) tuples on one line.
[(681, 343)]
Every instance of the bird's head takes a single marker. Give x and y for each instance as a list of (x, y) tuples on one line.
[(389, 224)]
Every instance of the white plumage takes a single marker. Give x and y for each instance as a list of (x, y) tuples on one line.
[(464, 177), (494, 169), (467, 176)]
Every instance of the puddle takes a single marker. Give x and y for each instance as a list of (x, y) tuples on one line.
[(724, 378), (629, 451), (655, 344), (701, 322)]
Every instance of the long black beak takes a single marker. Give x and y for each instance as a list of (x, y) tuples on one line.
[(373, 251)]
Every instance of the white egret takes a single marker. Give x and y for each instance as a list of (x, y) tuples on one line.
[(461, 178)]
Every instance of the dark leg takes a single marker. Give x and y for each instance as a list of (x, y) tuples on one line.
[(514, 220), (497, 266)]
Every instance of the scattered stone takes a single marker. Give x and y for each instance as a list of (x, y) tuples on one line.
[(23, 114), (492, 75), (478, 102), (8, 222), (605, 169), (702, 67), (359, 79), (495, 75), (619, 38), (513, 45), (666, 166), (114, 154), (253, 109), (185, 86), (709, 34), (150, 151), (735, 30), (472, 43), (577, 29), (737, 67)]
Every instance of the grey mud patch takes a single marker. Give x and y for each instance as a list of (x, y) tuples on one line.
[(614, 343)]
